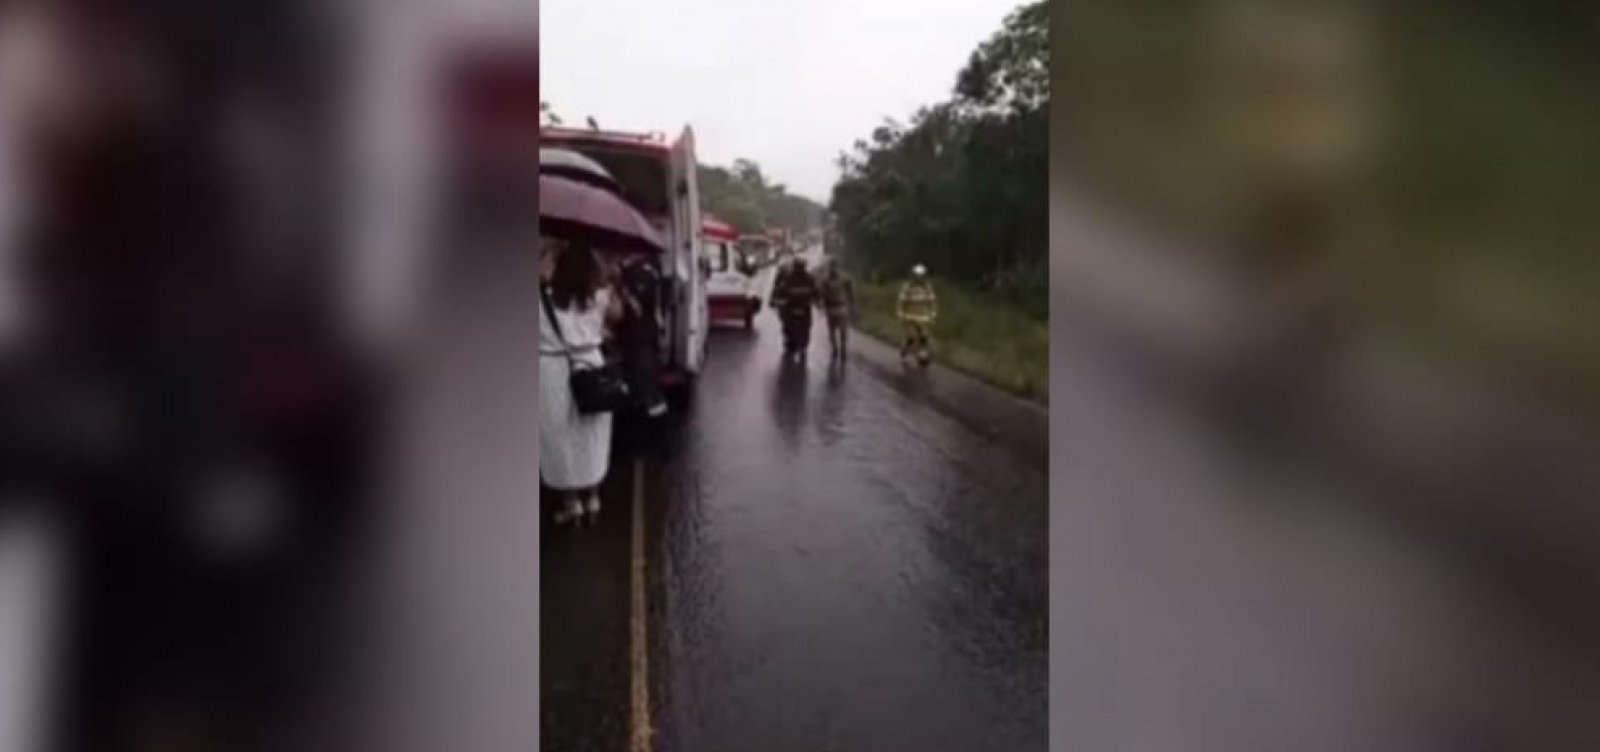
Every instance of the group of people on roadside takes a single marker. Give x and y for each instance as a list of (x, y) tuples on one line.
[(596, 313), (796, 292)]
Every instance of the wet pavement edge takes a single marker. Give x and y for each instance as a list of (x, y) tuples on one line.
[(1020, 425)]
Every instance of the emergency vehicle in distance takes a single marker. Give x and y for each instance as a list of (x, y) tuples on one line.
[(732, 276)]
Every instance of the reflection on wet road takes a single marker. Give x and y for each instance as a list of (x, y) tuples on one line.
[(830, 564), (834, 565)]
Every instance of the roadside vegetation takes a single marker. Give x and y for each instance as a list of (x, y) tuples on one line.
[(989, 340), (962, 187)]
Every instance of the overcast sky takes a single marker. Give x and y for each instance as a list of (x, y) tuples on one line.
[(787, 84)]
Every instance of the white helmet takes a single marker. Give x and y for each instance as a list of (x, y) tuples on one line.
[(919, 270)]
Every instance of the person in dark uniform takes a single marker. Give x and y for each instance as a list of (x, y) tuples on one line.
[(638, 332), (795, 295)]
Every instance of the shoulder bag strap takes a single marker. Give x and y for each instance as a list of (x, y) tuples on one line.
[(555, 324)]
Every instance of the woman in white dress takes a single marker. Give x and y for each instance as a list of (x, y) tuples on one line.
[(574, 449)]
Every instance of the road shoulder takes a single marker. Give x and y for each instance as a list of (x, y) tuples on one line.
[(584, 604), (1018, 424)]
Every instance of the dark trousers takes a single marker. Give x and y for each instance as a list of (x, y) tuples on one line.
[(641, 368), (797, 327)]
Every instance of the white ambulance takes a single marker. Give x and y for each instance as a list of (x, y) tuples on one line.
[(733, 290), (659, 177)]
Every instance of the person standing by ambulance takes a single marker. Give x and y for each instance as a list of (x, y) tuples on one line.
[(638, 332)]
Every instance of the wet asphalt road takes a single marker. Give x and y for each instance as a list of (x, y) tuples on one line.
[(831, 564)]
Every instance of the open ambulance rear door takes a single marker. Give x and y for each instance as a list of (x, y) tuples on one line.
[(690, 324)]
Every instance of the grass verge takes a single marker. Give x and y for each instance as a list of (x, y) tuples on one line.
[(987, 339)]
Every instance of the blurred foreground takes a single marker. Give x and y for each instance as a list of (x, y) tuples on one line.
[(1341, 257), (229, 338)]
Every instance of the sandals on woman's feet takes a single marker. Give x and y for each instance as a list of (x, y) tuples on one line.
[(571, 511)]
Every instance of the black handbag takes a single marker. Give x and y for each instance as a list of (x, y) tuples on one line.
[(595, 389)]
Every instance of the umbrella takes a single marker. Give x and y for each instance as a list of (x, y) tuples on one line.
[(574, 166), (579, 212)]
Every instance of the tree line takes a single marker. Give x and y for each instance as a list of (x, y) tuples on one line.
[(743, 197), (962, 186)]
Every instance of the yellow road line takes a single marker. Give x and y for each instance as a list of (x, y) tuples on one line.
[(639, 738)]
